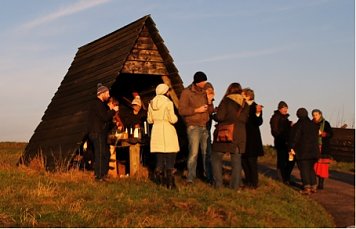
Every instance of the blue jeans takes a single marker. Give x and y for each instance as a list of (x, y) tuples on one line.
[(197, 137), (217, 163)]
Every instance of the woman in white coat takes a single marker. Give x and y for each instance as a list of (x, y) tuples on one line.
[(164, 139)]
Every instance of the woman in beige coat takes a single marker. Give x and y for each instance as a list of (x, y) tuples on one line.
[(164, 139)]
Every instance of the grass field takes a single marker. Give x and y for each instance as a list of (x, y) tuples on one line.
[(35, 198)]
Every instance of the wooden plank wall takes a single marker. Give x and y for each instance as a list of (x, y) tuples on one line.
[(342, 145)]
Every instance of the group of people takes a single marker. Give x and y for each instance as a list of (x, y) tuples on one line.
[(306, 140)]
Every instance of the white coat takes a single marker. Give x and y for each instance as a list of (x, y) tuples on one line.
[(164, 138)]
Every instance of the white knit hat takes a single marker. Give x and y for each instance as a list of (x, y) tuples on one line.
[(162, 89), (101, 89), (137, 101)]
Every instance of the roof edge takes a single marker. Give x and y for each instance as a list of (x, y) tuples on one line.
[(143, 19)]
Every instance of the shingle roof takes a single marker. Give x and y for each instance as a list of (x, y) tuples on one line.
[(64, 123)]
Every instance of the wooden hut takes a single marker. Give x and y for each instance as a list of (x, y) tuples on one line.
[(131, 58)]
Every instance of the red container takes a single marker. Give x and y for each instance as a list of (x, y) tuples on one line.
[(322, 167)]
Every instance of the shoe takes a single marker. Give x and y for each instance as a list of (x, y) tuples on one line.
[(189, 182), (99, 179), (306, 191)]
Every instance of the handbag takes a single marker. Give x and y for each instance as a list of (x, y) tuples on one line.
[(225, 132)]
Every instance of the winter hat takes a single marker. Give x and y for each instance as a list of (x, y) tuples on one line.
[(302, 113), (162, 89), (101, 89), (137, 101), (282, 104), (199, 77)]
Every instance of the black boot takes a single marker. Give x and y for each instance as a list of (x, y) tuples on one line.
[(321, 183), (170, 179), (158, 176)]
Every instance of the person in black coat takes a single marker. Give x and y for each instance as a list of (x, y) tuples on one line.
[(100, 118), (325, 134), (254, 147), (231, 110), (303, 144), (280, 129)]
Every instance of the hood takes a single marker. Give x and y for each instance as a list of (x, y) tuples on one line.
[(237, 98), (276, 112), (158, 101)]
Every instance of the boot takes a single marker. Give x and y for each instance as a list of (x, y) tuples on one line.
[(321, 183), (170, 179), (158, 177)]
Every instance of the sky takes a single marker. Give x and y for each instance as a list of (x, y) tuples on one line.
[(298, 51)]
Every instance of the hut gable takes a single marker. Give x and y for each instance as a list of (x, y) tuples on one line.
[(136, 49), (145, 57)]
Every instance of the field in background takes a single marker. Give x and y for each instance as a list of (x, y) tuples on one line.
[(34, 198)]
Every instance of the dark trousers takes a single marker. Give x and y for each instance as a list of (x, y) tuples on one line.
[(249, 165), (284, 165), (307, 173), (208, 166), (101, 154), (165, 161)]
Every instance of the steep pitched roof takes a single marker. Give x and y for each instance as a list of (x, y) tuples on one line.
[(64, 123)]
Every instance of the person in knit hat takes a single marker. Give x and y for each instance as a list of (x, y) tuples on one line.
[(100, 117), (137, 116), (303, 143), (164, 139), (195, 108), (280, 129)]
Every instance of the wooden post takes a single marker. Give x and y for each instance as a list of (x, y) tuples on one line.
[(112, 163), (134, 159)]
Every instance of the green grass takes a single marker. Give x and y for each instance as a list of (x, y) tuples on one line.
[(34, 198)]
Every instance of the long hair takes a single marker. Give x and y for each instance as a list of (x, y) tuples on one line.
[(234, 88)]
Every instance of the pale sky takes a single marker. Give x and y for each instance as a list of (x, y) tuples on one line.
[(299, 51)]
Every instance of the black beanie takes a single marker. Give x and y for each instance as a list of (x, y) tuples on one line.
[(282, 104), (199, 77), (302, 113)]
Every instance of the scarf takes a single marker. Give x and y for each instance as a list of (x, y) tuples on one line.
[(321, 128)]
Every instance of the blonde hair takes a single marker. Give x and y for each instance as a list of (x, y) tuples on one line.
[(249, 92)]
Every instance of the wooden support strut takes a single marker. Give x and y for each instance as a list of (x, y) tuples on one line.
[(174, 96)]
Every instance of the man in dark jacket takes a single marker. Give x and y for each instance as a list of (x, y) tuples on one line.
[(195, 107), (280, 129), (304, 143), (100, 116)]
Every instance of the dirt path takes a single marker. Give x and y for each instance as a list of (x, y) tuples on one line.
[(338, 196)]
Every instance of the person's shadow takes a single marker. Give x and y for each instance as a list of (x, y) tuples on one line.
[(270, 172)]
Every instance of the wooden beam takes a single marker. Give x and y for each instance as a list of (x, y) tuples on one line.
[(174, 96), (144, 67)]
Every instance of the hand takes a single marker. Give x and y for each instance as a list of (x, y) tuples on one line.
[(259, 108), (210, 98), (323, 134), (115, 108), (201, 109)]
